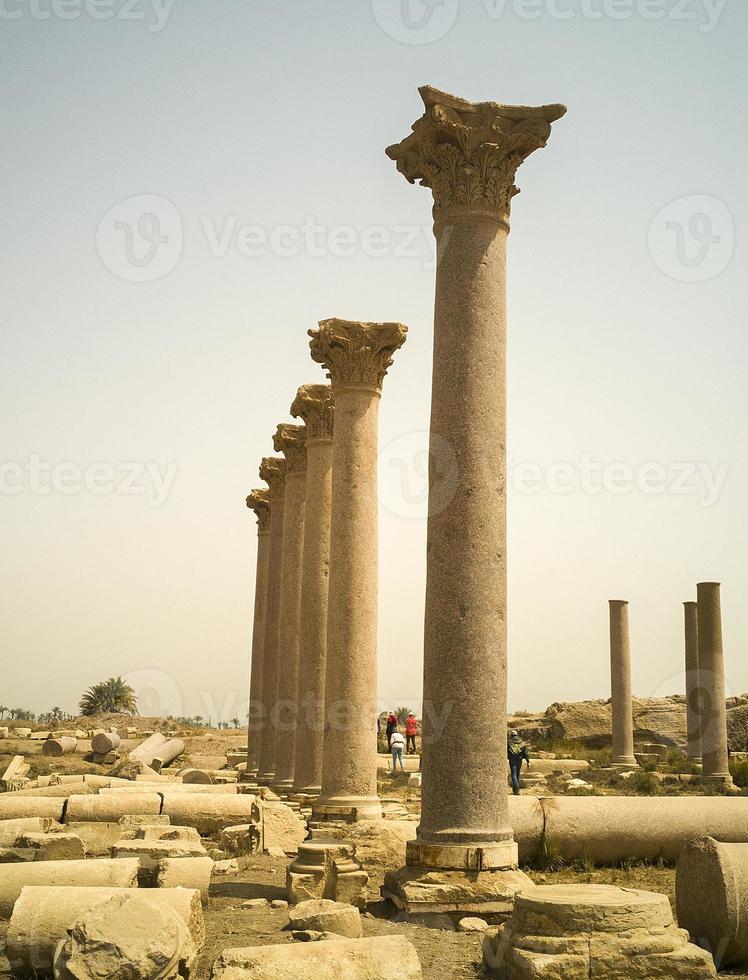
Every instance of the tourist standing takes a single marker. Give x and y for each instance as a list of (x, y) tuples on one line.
[(411, 729), (516, 751), (397, 744)]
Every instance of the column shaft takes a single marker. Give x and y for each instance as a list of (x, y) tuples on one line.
[(620, 685), (693, 684), (258, 639), (464, 797), (714, 753)]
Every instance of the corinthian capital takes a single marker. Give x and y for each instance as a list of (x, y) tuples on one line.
[(273, 472), (291, 441), (468, 153), (355, 354), (314, 404), (259, 502)]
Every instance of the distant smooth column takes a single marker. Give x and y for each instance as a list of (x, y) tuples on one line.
[(259, 502), (715, 761), (314, 404), (291, 441), (620, 684), (693, 684), (356, 356), (273, 472)]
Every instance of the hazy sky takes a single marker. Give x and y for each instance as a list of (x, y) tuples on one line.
[(189, 187)]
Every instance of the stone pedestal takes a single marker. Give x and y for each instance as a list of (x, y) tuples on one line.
[(620, 687), (356, 356), (693, 684), (314, 404), (273, 472), (291, 441), (468, 154), (715, 760), (259, 502), (327, 868), (582, 931)]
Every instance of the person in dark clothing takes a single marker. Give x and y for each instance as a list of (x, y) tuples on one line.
[(391, 726), (516, 751)]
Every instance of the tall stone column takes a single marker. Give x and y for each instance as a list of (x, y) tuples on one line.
[(714, 755), (314, 405), (291, 441), (620, 686), (693, 684), (356, 356), (273, 472), (468, 154), (259, 502)]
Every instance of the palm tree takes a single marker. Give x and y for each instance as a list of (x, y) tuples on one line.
[(56, 714), (109, 696), (235, 722)]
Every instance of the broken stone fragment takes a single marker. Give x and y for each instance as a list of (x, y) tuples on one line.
[(326, 916)]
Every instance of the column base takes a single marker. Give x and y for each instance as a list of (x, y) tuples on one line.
[(627, 762), (347, 809), (718, 779), (495, 856), (282, 787), (265, 778), (327, 869)]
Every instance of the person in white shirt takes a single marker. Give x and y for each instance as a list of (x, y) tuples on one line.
[(397, 746)]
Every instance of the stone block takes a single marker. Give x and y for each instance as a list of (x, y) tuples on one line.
[(54, 846), (185, 872), (322, 915), (327, 869)]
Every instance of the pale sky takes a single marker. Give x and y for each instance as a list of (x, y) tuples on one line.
[(149, 348)]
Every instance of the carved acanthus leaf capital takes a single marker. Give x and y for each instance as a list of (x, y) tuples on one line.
[(259, 502), (273, 472), (316, 406), (356, 354), (291, 441), (468, 153)]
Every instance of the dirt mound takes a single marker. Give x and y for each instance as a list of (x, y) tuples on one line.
[(655, 720)]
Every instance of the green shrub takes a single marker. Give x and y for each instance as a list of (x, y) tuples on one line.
[(739, 771), (644, 783)]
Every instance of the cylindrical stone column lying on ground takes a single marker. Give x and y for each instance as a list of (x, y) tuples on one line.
[(58, 790), (468, 154), (167, 753), (611, 829), (210, 814), (195, 777), (43, 916), (13, 807), (273, 472), (693, 684), (148, 749), (191, 789), (382, 958), (59, 746), (711, 894), (110, 806), (259, 502), (185, 872), (103, 743), (291, 441), (104, 872), (356, 356), (314, 404), (11, 830), (620, 686), (714, 754)]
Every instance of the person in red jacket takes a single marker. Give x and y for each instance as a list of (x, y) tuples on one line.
[(411, 729)]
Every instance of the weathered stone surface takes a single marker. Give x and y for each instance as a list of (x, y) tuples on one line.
[(322, 915), (327, 869), (712, 898), (162, 832), (13, 807), (101, 873), (185, 872), (382, 958), (209, 814), (243, 839), (148, 852), (11, 830), (472, 924), (380, 844), (655, 719), (121, 939), (111, 807), (43, 917), (423, 892), (574, 932), (54, 846), (281, 827), (59, 746), (105, 742)]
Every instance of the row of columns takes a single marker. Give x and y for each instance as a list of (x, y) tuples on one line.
[(315, 649), (705, 684)]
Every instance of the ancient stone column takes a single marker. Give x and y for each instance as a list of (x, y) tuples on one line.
[(356, 356), (468, 154), (715, 762), (259, 502), (273, 472), (314, 404), (620, 686), (291, 441), (693, 685)]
